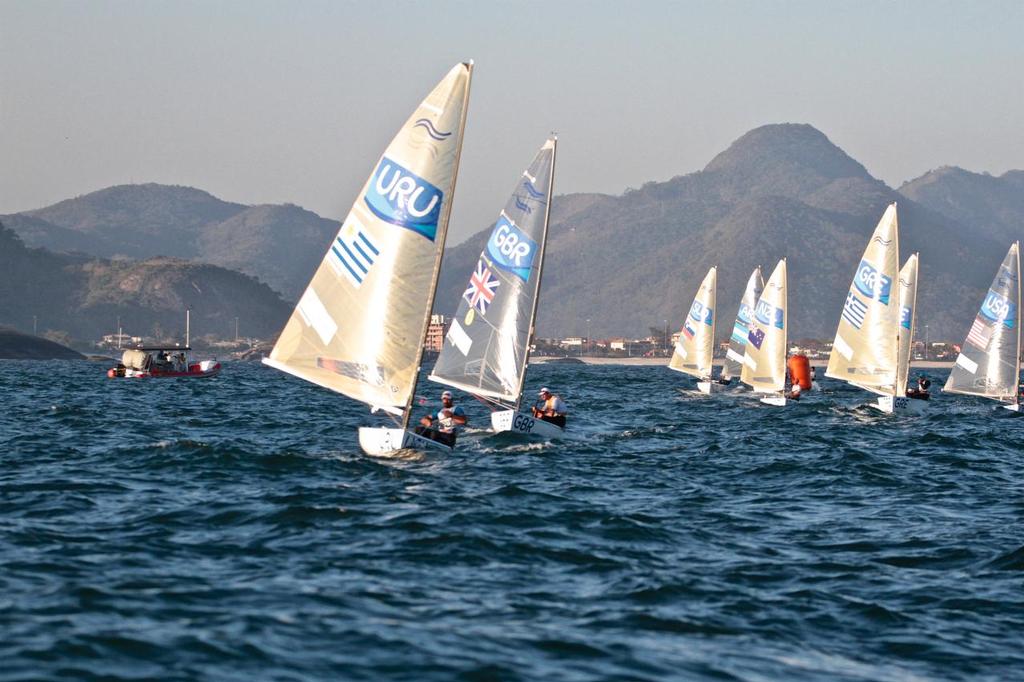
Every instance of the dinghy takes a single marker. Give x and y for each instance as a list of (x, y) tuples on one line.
[(989, 362), (360, 326), (696, 342), (733, 364), (764, 357), (867, 345), (486, 349)]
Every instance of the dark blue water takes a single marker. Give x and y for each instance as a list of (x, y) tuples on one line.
[(228, 529)]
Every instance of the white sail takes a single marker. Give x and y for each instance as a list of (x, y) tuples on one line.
[(764, 359), (865, 349), (989, 362), (733, 364), (485, 350), (359, 327), (697, 337), (908, 310)]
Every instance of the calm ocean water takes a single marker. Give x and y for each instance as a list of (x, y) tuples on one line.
[(229, 529)]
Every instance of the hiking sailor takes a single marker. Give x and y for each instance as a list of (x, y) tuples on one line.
[(552, 410), (442, 426)]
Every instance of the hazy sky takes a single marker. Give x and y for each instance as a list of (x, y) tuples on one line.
[(269, 102)]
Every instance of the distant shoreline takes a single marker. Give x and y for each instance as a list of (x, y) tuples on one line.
[(820, 362)]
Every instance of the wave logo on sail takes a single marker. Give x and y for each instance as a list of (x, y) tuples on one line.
[(873, 284), (511, 249), (400, 197), (998, 308), (701, 313), (768, 314), (426, 124)]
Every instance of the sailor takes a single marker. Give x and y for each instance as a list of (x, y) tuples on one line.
[(795, 391), (552, 410), (921, 391), (442, 426), (724, 381)]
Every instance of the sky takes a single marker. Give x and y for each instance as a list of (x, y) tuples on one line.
[(273, 102)]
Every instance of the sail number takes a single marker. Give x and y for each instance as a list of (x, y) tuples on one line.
[(510, 246)]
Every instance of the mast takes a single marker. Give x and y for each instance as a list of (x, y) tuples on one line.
[(540, 273), (447, 210), (187, 311)]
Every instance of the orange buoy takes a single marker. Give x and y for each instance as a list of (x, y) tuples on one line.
[(800, 371)]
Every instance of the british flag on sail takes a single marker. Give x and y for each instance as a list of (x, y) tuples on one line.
[(482, 287), (354, 253)]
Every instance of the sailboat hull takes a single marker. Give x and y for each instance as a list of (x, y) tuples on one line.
[(511, 421), (774, 400), (1013, 407), (900, 405), (709, 387), (383, 442)]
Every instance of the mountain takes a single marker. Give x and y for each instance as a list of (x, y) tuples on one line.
[(17, 346), (83, 296), (280, 245), (631, 262), (985, 204)]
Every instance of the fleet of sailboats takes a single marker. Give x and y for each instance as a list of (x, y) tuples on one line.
[(487, 346), (358, 329)]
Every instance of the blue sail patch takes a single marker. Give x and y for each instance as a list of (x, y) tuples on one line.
[(403, 198), (511, 249), (768, 314), (997, 308), (873, 284)]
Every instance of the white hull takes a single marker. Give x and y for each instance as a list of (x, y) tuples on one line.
[(510, 421), (900, 405), (382, 441), (1013, 407), (774, 400), (709, 387)]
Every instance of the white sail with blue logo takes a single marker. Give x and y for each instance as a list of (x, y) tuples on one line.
[(865, 349), (908, 305), (764, 358), (486, 348), (733, 364), (696, 342), (989, 361), (359, 327)]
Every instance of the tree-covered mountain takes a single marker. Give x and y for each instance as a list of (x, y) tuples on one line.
[(280, 245), (990, 205), (84, 296), (631, 262)]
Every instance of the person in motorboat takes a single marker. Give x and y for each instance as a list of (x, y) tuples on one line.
[(920, 392), (443, 426), (794, 392), (552, 410)]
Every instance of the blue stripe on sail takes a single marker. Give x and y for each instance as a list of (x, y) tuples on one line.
[(353, 257), (345, 263), (368, 244), (365, 255)]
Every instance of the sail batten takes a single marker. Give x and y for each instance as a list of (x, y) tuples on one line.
[(865, 350), (359, 327), (764, 359), (694, 349), (989, 360), (486, 347), (733, 364)]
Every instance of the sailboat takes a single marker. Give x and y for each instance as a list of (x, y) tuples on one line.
[(696, 342), (867, 345), (908, 313), (486, 349), (764, 358), (359, 327), (989, 363), (733, 364)]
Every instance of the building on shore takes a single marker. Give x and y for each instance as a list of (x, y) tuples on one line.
[(436, 332)]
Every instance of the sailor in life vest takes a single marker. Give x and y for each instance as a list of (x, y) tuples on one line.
[(921, 392), (552, 410), (442, 426)]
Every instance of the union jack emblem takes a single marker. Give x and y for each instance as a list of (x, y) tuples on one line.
[(482, 287)]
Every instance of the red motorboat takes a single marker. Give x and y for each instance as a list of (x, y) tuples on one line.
[(160, 362)]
